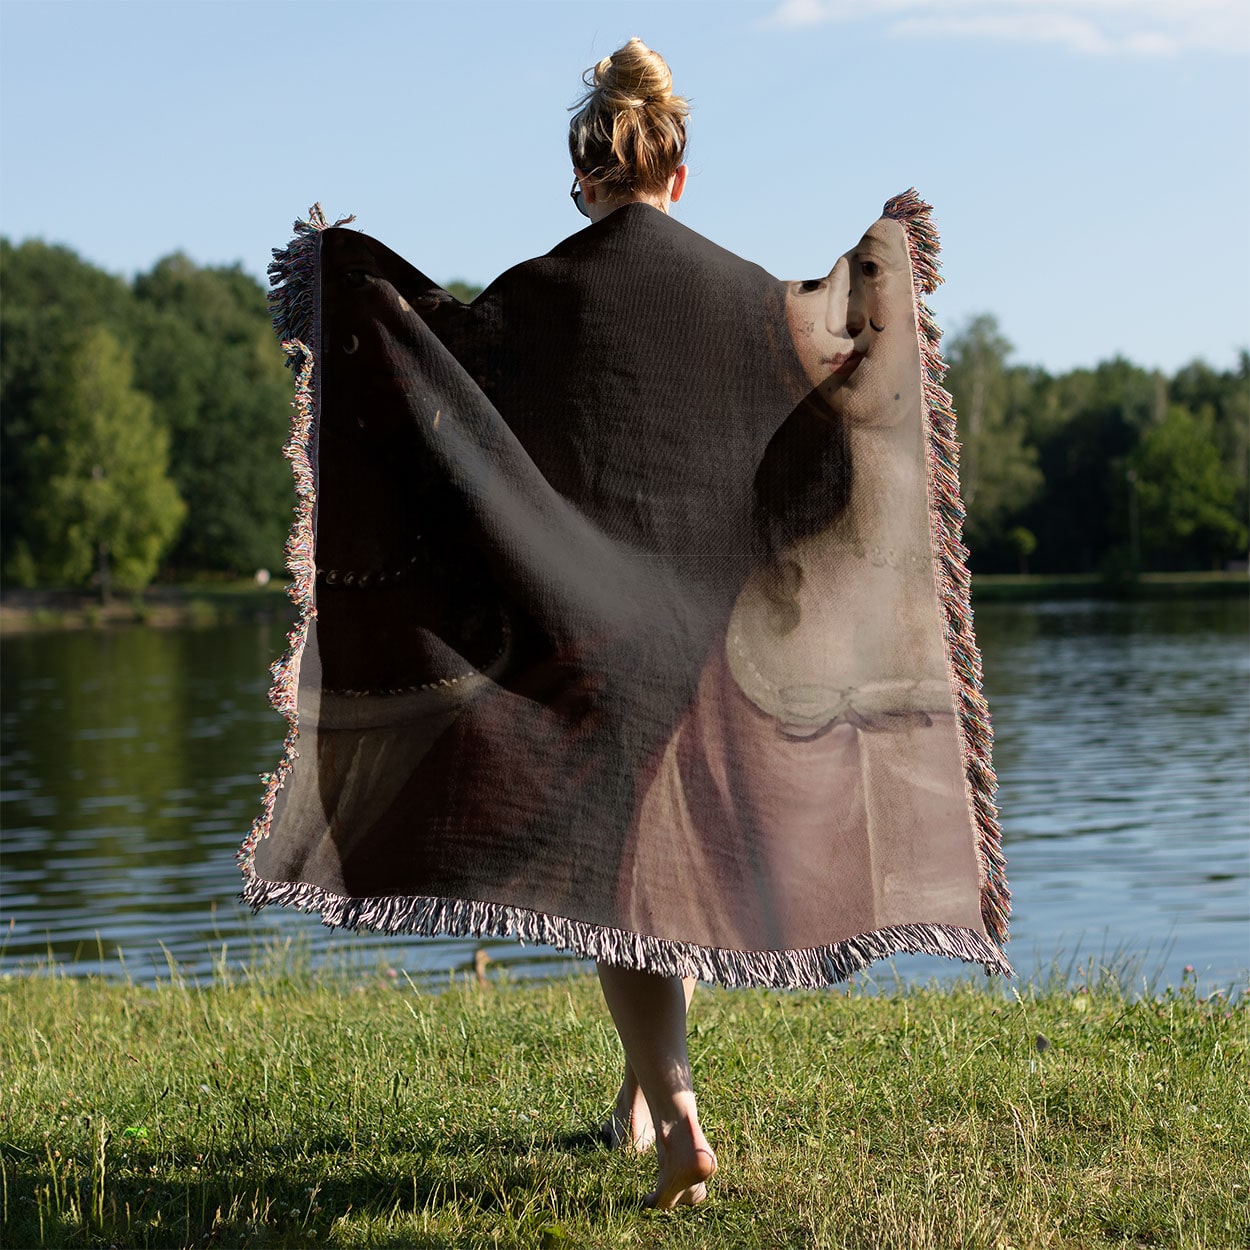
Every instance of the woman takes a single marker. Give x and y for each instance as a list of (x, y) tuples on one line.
[(579, 566), (628, 142)]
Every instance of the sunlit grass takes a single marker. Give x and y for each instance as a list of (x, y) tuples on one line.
[(276, 1107)]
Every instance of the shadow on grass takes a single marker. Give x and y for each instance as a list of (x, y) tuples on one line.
[(295, 1194)]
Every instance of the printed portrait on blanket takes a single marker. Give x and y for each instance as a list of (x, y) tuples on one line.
[(829, 714), (666, 655)]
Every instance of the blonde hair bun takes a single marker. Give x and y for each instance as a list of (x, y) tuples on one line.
[(632, 77), (629, 130)]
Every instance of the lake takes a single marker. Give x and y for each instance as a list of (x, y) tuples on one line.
[(131, 760)]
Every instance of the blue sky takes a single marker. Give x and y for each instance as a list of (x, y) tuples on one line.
[(1088, 160)]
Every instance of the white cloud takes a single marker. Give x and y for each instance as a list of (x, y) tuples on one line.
[(1137, 28)]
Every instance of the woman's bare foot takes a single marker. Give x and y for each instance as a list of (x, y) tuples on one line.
[(686, 1165), (649, 1012), (629, 1126)]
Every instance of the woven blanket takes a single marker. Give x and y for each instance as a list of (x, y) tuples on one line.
[(634, 618)]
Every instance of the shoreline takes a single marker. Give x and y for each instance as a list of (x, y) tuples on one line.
[(1036, 587), (175, 606), (203, 604)]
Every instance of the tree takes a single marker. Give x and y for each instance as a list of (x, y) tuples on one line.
[(208, 357), (101, 503), (50, 297), (1187, 493), (1024, 543), (1088, 423), (465, 292), (997, 468), (1223, 399)]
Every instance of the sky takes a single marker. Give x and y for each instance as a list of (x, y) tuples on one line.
[(1088, 160)]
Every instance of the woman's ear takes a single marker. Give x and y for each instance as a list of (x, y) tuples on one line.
[(678, 184)]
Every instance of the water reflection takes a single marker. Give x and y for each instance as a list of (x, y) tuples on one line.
[(1123, 734), (131, 761)]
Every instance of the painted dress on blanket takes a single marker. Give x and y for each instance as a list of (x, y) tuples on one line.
[(635, 619)]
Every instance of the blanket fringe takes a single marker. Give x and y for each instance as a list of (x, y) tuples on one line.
[(951, 558), (293, 278), (812, 968), (294, 303)]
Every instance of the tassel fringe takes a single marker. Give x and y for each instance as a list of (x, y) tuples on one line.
[(294, 303), (294, 279), (793, 969), (946, 511)]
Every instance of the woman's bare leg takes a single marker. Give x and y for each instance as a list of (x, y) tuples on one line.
[(649, 1012), (629, 1124), (629, 1127)]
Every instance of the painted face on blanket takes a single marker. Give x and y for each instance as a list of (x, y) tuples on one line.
[(853, 329)]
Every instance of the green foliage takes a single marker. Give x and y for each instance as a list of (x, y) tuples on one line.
[(998, 468), (51, 298), (1024, 542), (41, 278), (1082, 514), (208, 356), (1222, 400), (1053, 456), (205, 357), (1187, 490), (100, 503), (465, 292), (1056, 457)]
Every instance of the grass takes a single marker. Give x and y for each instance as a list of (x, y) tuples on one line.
[(282, 1108)]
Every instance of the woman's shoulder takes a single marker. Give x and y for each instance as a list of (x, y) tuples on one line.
[(635, 278), (644, 231)]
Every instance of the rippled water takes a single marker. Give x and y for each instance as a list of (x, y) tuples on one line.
[(130, 765)]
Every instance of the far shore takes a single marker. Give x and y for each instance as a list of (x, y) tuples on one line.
[(193, 604), (164, 606), (999, 587)]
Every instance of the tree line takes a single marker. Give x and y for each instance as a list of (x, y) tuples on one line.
[(1113, 470), (140, 422), (140, 425)]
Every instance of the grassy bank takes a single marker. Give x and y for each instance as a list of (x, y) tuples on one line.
[(192, 603), (283, 1110), (999, 587), (214, 603)]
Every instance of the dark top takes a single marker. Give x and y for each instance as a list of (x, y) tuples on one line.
[(644, 369)]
